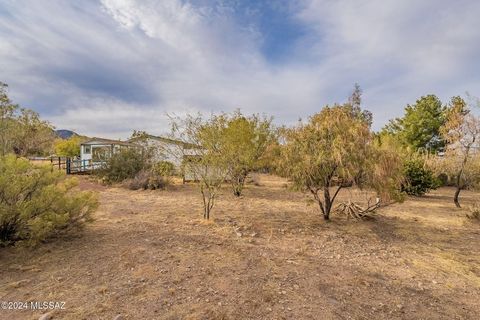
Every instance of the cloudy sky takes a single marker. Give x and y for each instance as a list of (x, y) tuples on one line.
[(106, 67)]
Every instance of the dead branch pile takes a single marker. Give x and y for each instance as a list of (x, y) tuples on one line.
[(355, 211)]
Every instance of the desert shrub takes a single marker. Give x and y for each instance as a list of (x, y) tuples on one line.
[(474, 212), (164, 168), (140, 181), (418, 178), (147, 180), (442, 179), (125, 164), (152, 177), (37, 203), (157, 182)]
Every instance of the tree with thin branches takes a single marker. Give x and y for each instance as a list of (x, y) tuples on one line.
[(461, 160), (201, 154), (335, 150)]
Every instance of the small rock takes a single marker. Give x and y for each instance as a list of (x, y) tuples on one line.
[(239, 234), (46, 316), (118, 317)]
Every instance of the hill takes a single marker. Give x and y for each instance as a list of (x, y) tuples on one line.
[(65, 134)]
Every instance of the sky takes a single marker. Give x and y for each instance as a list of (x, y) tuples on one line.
[(106, 67)]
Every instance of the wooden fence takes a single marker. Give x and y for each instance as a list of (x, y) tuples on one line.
[(70, 165)]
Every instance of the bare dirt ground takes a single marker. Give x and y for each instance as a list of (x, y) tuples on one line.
[(267, 255)]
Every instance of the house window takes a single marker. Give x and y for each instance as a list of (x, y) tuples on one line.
[(87, 149)]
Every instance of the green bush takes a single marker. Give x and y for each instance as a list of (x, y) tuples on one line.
[(158, 182), (125, 164), (418, 179), (164, 168), (37, 203), (443, 180), (133, 167)]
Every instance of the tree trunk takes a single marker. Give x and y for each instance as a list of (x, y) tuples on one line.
[(238, 182), (459, 185), (206, 204), (455, 198), (328, 204)]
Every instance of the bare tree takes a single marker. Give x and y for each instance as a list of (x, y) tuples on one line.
[(461, 160), (201, 154)]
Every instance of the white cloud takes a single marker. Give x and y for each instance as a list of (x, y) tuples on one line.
[(172, 21), (98, 116), (398, 50), (107, 67)]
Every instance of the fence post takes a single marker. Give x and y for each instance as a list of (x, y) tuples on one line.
[(68, 166)]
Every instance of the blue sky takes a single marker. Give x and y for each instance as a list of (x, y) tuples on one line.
[(106, 67)]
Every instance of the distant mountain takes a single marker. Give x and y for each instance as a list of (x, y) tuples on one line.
[(65, 134)]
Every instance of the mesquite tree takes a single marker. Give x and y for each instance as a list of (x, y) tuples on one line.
[(21, 130), (462, 158), (244, 141), (335, 150), (220, 148), (201, 154)]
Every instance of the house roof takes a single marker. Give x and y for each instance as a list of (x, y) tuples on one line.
[(159, 138), (163, 139), (102, 141)]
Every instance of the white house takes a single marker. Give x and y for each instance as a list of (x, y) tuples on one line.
[(94, 152), (164, 149), (175, 151)]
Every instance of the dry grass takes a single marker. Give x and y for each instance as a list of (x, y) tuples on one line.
[(267, 255)]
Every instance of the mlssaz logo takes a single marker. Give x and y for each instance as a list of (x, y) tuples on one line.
[(47, 305)]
